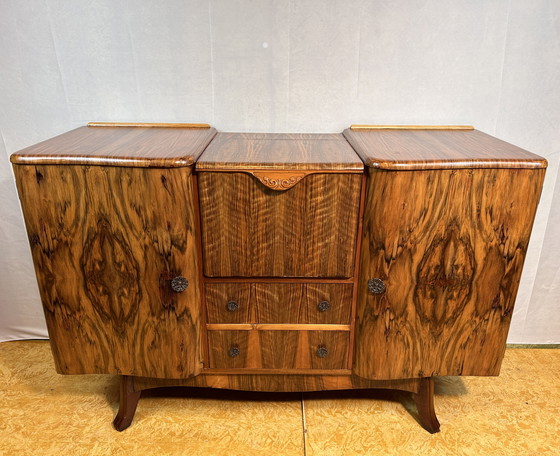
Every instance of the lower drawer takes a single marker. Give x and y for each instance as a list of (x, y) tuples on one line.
[(278, 349)]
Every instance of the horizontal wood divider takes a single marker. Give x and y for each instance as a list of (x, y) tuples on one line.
[(303, 280), (411, 127), (148, 125), (274, 327), (237, 371)]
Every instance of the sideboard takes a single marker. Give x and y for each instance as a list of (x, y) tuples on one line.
[(174, 255)]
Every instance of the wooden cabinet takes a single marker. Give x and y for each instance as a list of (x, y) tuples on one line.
[(376, 258)]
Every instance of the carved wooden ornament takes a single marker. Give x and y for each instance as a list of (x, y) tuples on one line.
[(279, 180)]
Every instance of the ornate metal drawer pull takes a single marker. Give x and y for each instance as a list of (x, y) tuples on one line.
[(323, 306), (232, 306), (322, 352), (179, 284), (376, 286), (234, 351)]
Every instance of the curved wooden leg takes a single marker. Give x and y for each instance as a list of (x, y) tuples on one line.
[(128, 402), (424, 400)]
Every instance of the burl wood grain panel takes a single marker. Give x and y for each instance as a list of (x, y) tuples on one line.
[(278, 349), (106, 242), (450, 247), (279, 151), (414, 149), (148, 147), (276, 303), (249, 230)]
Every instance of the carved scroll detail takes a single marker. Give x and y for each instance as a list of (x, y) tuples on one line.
[(279, 180)]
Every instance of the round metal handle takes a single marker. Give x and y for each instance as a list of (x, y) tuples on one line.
[(322, 352), (323, 306), (179, 284), (233, 352), (376, 286), (232, 306)]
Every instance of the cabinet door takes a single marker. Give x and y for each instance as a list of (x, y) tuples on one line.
[(449, 246), (106, 243)]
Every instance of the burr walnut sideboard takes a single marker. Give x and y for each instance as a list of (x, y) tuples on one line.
[(174, 255)]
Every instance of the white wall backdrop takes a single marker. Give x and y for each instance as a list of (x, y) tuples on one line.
[(279, 66)]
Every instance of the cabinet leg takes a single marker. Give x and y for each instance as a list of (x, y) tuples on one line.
[(128, 402), (424, 400)]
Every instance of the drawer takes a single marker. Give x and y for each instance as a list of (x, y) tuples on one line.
[(250, 230), (276, 303), (278, 349)]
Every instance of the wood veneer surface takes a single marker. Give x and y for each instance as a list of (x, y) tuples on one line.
[(249, 230), (450, 247), (120, 146), (240, 151), (438, 149), (105, 252), (279, 303)]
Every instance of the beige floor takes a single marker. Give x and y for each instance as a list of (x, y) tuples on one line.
[(42, 413)]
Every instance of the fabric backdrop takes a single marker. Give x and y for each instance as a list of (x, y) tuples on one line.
[(283, 66)]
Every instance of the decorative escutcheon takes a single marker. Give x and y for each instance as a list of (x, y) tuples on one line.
[(376, 286), (233, 352), (232, 306), (322, 352), (179, 284), (323, 306)]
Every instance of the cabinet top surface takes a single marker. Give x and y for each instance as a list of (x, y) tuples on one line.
[(278, 151), (409, 149), (120, 146)]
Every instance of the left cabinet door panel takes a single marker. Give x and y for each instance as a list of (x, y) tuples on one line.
[(106, 244)]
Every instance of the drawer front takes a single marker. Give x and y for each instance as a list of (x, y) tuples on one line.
[(276, 303), (250, 230), (278, 349)]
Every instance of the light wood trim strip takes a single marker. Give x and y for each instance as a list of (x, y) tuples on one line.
[(273, 280), (411, 127), (274, 327), (149, 125), (241, 370)]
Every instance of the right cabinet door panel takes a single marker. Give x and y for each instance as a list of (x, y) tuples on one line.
[(449, 246)]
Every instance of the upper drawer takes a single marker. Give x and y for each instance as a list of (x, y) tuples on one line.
[(275, 303), (250, 230)]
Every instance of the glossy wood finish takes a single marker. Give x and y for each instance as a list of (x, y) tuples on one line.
[(450, 246), (279, 382), (424, 400), (279, 303), (144, 147), (413, 149), (278, 349), (106, 242), (128, 401), (279, 151), (148, 125), (411, 127), (249, 230)]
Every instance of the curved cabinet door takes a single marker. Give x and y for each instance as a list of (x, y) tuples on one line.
[(447, 247), (107, 243)]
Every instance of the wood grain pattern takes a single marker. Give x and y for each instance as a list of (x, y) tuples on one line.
[(279, 383), (106, 242), (279, 303), (278, 349), (145, 147), (254, 151), (443, 149), (276, 327), (249, 230), (450, 246)]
